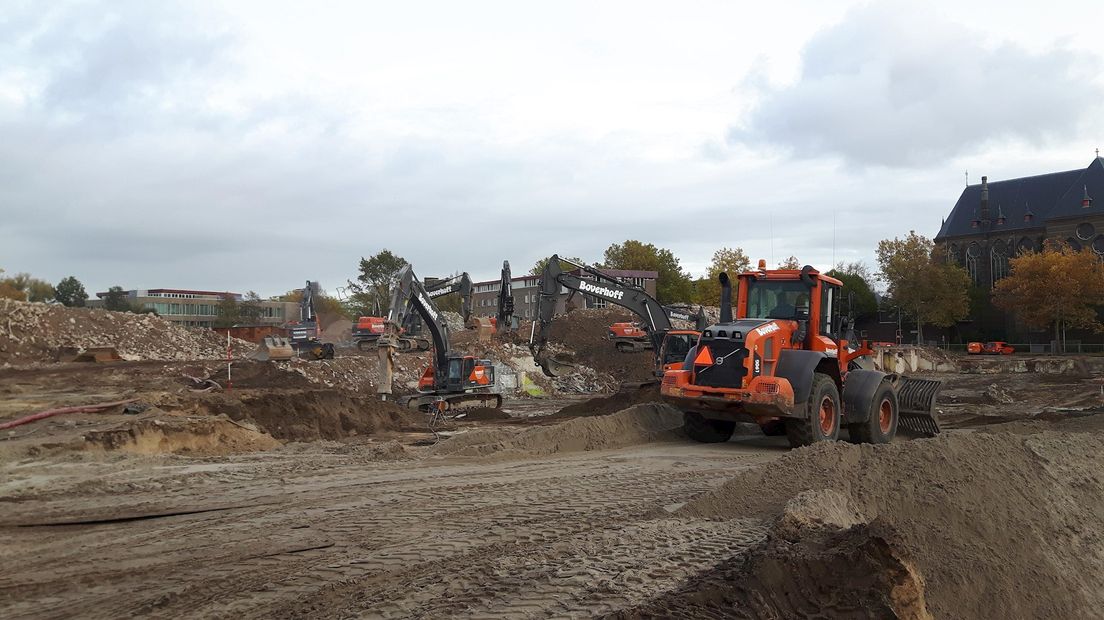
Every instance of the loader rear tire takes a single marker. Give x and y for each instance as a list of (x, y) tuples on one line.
[(702, 430), (881, 426), (821, 421)]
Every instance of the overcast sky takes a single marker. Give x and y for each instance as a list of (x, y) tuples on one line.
[(257, 144)]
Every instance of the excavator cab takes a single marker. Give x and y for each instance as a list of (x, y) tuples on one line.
[(676, 346), (468, 372)]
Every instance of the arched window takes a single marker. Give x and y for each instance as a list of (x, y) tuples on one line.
[(998, 260), (972, 254), (1025, 245), (953, 255)]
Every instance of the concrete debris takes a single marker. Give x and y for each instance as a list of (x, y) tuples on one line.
[(36, 333)]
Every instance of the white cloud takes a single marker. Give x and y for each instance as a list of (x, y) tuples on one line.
[(894, 84)]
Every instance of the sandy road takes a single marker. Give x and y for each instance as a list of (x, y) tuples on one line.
[(319, 533)]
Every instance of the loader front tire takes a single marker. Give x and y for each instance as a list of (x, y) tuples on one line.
[(702, 430), (881, 426), (821, 421)]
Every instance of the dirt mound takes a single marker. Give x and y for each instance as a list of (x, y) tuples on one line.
[(605, 405), (308, 415), (639, 424), (210, 436), (585, 333), (33, 332), (816, 561), (975, 514)]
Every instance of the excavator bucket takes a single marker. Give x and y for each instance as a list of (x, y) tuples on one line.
[(916, 405), (274, 348), (553, 367)]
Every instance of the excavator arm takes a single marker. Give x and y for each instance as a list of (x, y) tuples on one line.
[(457, 284), (505, 300), (652, 314), (688, 314), (409, 296)]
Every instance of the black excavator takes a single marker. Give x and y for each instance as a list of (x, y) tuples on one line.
[(453, 379), (670, 345), (305, 334)]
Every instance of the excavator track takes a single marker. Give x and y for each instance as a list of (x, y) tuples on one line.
[(425, 402)]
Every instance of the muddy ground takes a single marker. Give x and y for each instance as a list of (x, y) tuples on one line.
[(288, 498)]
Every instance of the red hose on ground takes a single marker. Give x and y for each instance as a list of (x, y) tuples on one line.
[(52, 412)]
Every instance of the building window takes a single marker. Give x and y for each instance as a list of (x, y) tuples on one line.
[(998, 256), (972, 254), (1098, 245)]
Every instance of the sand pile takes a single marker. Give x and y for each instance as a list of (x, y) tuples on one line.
[(605, 405), (180, 435), (307, 415), (636, 425), (33, 332), (956, 525)]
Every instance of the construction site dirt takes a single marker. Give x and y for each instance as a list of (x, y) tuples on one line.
[(298, 493)]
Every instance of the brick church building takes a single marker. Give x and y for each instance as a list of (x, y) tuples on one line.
[(994, 221)]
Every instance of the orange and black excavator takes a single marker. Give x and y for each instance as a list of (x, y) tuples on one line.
[(670, 345), (453, 379), (632, 336), (784, 363)]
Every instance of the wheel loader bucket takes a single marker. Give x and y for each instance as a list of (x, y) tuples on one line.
[(916, 405), (274, 348), (553, 367)]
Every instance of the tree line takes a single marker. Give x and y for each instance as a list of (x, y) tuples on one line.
[(1055, 288)]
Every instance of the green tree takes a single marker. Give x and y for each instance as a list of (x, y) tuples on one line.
[(70, 292), (116, 300), (250, 309), (791, 262), (1057, 287), (229, 311), (857, 289), (673, 284), (372, 288), (538, 268), (922, 284), (732, 261)]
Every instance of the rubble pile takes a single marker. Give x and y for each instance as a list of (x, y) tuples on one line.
[(36, 333)]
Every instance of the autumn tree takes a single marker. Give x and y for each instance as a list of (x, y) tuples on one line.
[(733, 261), (372, 288), (32, 289), (673, 284), (70, 292), (857, 289), (919, 282), (116, 300), (790, 262), (1057, 287), (328, 309)]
